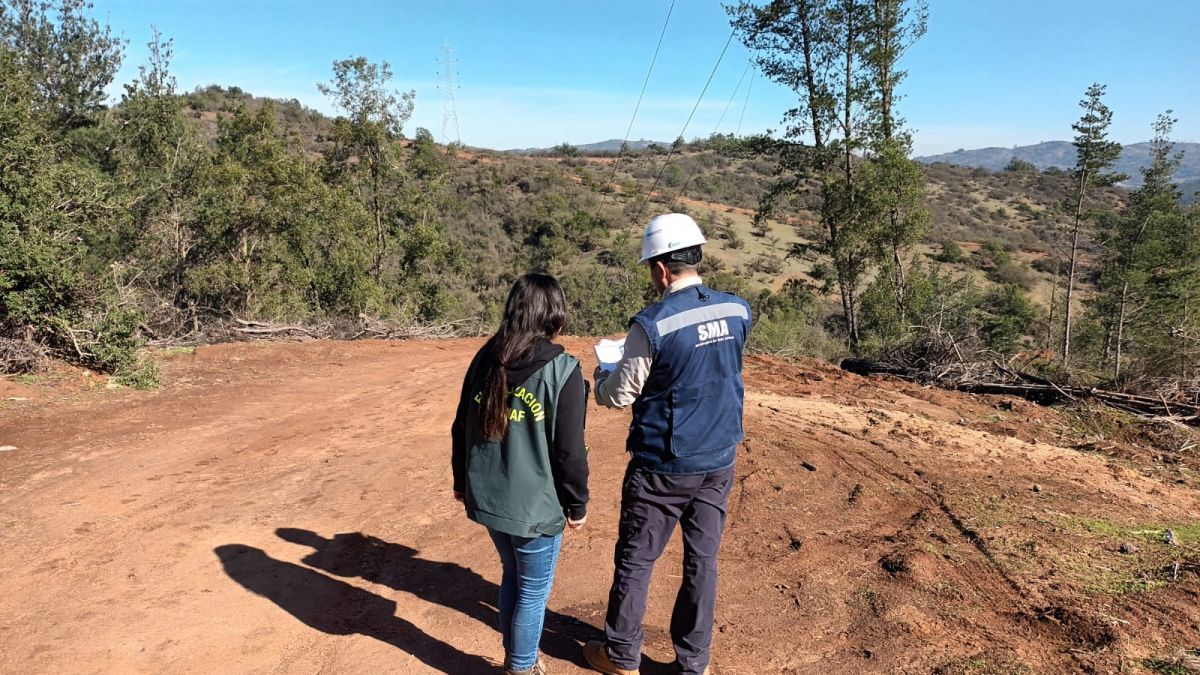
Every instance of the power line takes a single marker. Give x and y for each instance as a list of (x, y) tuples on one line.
[(667, 161), (696, 166), (733, 95), (629, 129), (746, 103)]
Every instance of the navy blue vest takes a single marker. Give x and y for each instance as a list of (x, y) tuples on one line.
[(688, 418)]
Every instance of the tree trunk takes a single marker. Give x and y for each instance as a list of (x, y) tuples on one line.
[(180, 260), (900, 278), (810, 83), (1053, 301), (1120, 330), (848, 280), (850, 310), (1071, 272), (379, 239), (884, 18)]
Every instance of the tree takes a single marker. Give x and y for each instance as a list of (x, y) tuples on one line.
[(1134, 245), (1005, 314), (564, 149), (1018, 165), (1150, 279), (158, 157), (374, 119), (795, 45), (1095, 155), (271, 239), (951, 252), (50, 291), (69, 58), (840, 59)]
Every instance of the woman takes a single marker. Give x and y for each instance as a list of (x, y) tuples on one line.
[(520, 464)]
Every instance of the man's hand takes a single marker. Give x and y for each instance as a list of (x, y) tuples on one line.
[(460, 497), (576, 524)]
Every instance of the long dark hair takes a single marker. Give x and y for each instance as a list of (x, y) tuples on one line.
[(536, 310)]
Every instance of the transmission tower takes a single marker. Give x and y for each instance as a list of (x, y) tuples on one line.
[(448, 82)]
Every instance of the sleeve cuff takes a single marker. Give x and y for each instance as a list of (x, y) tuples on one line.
[(577, 511)]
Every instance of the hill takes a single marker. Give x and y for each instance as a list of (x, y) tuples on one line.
[(500, 192), (277, 220), (1061, 155), (1190, 190), (611, 146), (287, 508)]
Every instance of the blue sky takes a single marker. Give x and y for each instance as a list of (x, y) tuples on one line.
[(537, 72)]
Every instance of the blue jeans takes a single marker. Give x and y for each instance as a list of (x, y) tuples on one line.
[(524, 589)]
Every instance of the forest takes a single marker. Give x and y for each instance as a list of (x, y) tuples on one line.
[(167, 217)]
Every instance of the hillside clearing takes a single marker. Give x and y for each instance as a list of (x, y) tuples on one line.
[(286, 508)]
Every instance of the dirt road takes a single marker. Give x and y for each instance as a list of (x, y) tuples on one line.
[(287, 509)]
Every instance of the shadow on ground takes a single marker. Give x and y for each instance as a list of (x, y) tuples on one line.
[(338, 608)]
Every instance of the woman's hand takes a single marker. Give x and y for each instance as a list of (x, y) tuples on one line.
[(576, 524)]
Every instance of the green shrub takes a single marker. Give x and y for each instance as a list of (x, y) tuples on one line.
[(791, 323), (1005, 315), (1010, 272), (951, 252), (602, 300)]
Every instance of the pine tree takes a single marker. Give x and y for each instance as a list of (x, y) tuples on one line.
[(1134, 243), (1095, 155), (158, 157), (897, 185)]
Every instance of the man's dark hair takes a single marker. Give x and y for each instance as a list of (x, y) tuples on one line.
[(683, 260)]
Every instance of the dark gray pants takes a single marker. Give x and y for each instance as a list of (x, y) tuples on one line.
[(651, 504)]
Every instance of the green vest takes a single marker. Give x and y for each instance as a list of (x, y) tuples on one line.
[(510, 483)]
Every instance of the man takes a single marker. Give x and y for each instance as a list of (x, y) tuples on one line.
[(682, 373)]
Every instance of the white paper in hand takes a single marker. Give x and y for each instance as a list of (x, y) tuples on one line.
[(609, 353)]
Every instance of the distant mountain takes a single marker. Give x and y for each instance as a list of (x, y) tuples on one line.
[(1061, 154), (611, 145), (1190, 189)]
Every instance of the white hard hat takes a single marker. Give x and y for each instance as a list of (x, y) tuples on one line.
[(670, 232)]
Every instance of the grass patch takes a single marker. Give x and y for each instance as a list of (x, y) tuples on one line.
[(1101, 569), (1091, 421), (1185, 533), (1121, 585), (996, 662), (176, 351), (1187, 662)]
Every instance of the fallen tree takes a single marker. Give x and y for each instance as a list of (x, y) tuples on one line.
[(365, 328), (996, 378)]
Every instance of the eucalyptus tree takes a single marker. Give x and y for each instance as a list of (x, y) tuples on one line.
[(365, 135)]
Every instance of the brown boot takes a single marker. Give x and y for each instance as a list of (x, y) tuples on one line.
[(597, 657), (538, 668)]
